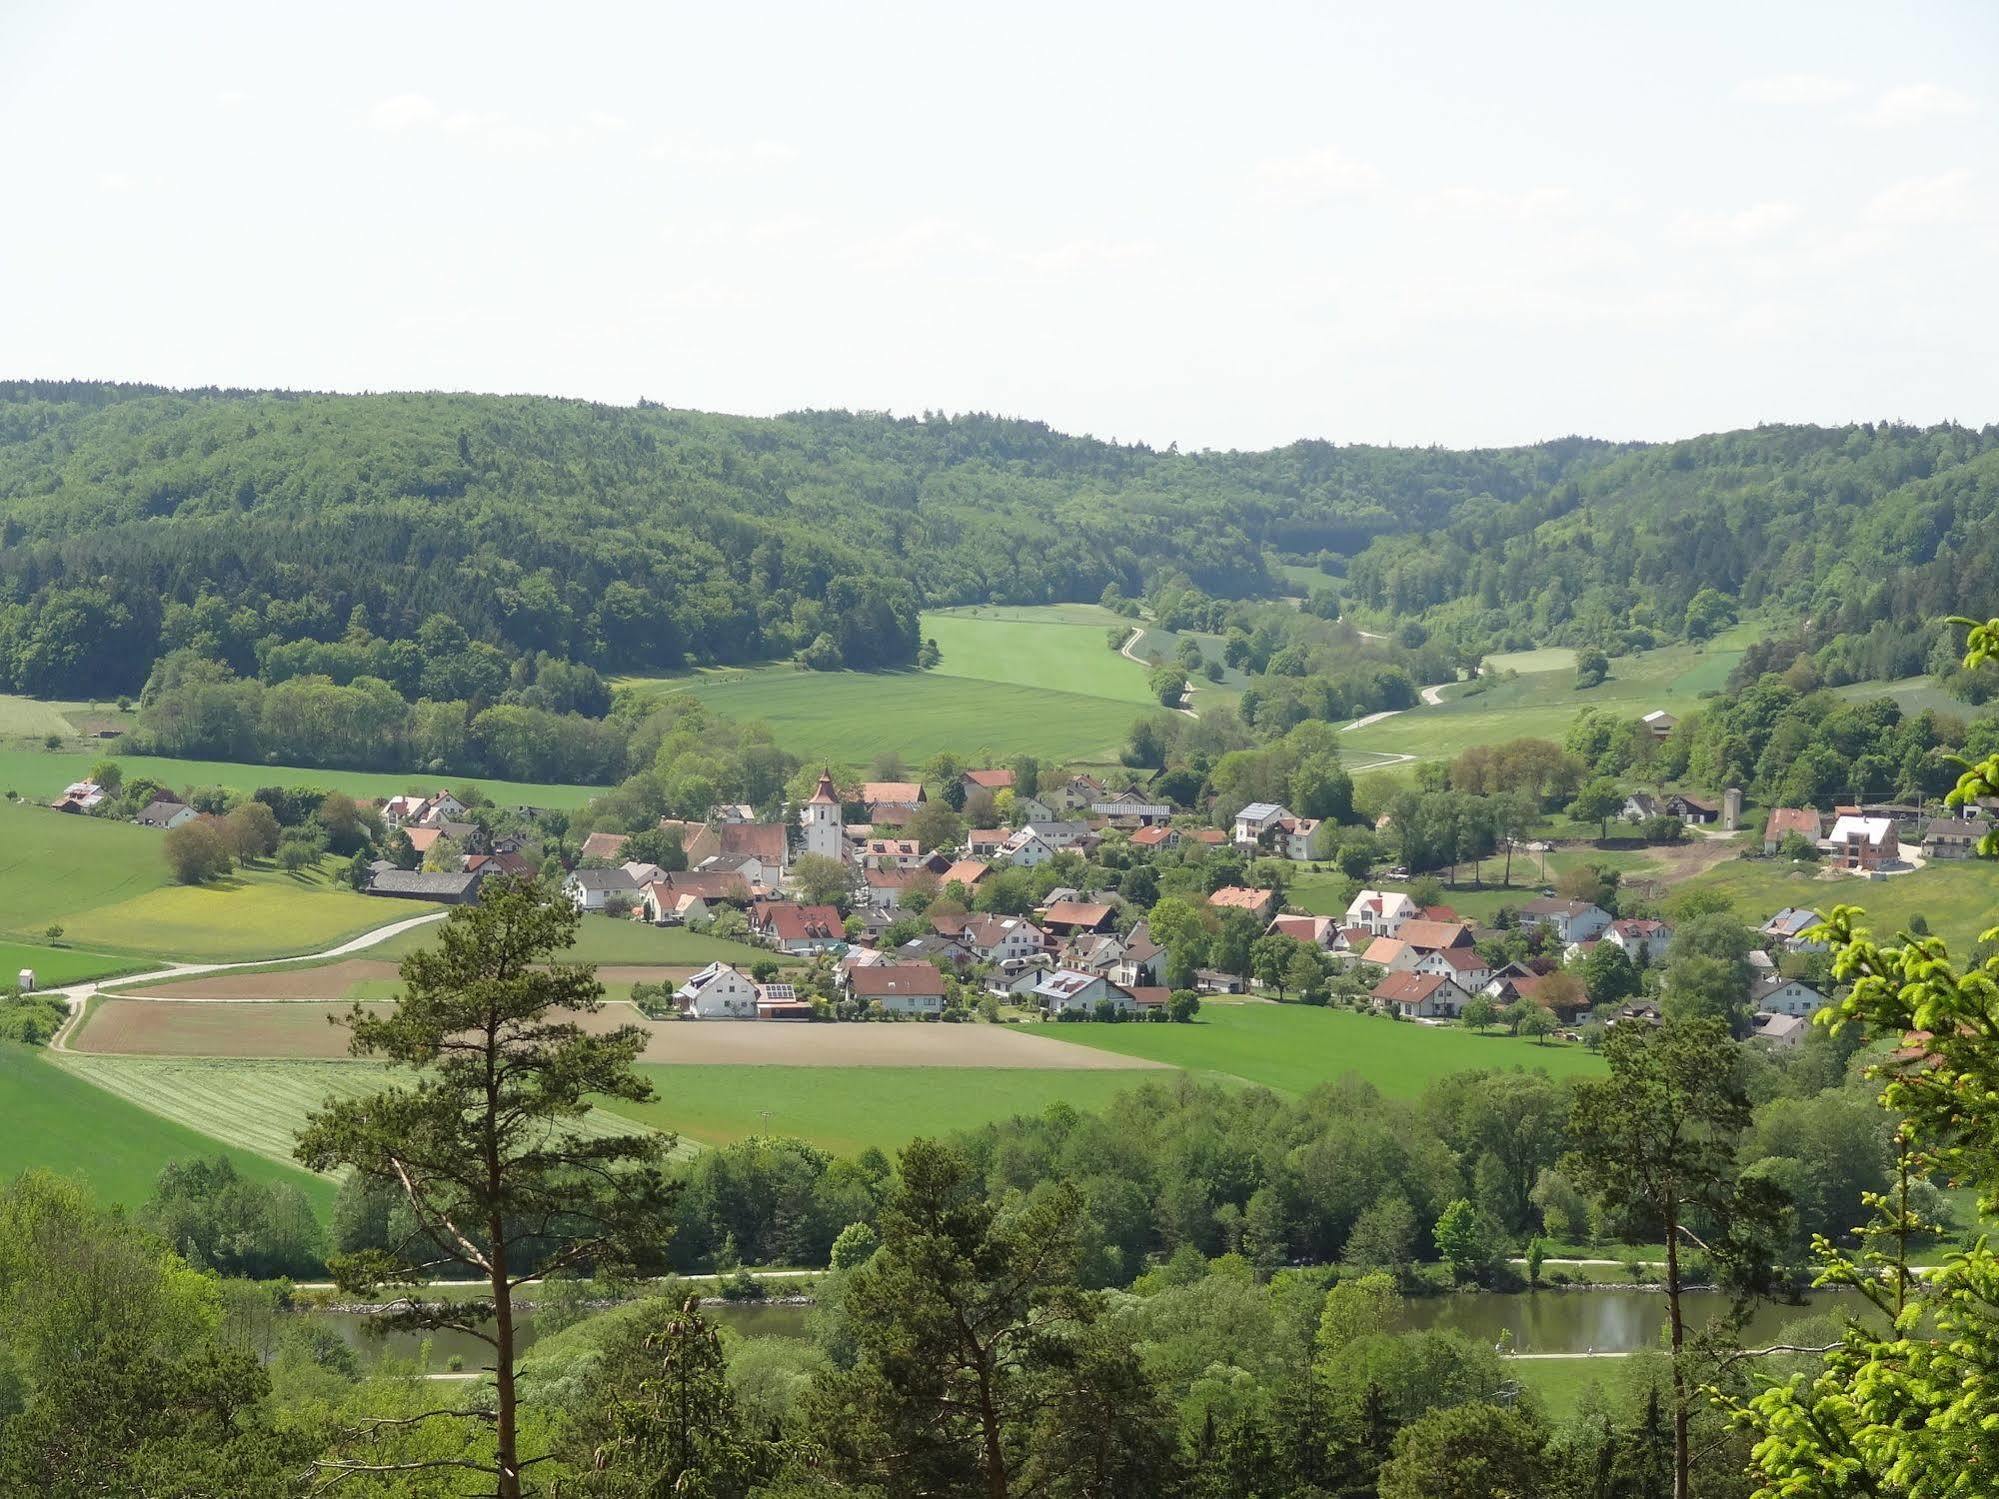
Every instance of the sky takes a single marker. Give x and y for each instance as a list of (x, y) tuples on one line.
[(1224, 226)]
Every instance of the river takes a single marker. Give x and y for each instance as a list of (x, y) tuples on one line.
[(1599, 1320)]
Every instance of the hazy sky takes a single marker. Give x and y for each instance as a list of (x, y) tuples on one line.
[(1225, 225)]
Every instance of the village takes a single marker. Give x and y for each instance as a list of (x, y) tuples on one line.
[(1091, 898)]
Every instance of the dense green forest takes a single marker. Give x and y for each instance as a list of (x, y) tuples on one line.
[(259, 527)]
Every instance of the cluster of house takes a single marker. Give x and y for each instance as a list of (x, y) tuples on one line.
[(1877, 837), (427, 820)]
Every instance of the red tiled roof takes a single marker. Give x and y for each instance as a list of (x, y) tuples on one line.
[(790, 922), (1801, 820), (1076, 913), (904, 793), (879, 980), (991, 780), (967, 871), (1409, 988), (1157, 834), (1435, 935), (1240, 898), (604, 845), (762, 841)]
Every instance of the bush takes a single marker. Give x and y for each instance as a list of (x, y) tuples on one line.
[(743, 1286)]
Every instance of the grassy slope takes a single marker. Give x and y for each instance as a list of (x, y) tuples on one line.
[(1060, 648), (1294, 1048), (1542, 702), (845, 1109), (54, 866), (61, 1123), (41, 775), (59, 965), (1959, 899)]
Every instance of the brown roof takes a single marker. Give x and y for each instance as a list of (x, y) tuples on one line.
[(1383, 951), (728, 886), (1076, 913), (1434, 936), (907, 793), (789, 921), (991, 780), (1240, 898), (1303, 928), (604, 845), (879, 980), (967, 872), (1207, 835), (762, 841), (1409, 988), (1801, 820), (1464, 959), (888, 879), (1158, 833), (979, 838)]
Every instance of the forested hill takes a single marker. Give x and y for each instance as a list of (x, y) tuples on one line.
[(134, 520), (295, 533)]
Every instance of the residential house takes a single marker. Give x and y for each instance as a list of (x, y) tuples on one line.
[(1155, 837), (931, 947), (1777, 995), (992, 939), (509, 862), (1659, 722), (1863, 843), (79, 796), (1262, 904), (891, 853), (1954, 837), (1788, 928), (718, 992), (164, 812), (1066, 918), (1142, 964), (608, 848), (891, 794), (794, 928), (1025, 849), (1062, 835), (1130, 806), (1380, 912), (899, 988), (1426, 935), (1321, 931), (990, 782), (884, 887), (1784, 821), (782, 1002), (1635, 936), (1461, 965), (1641, 806), (1569, 920), (1074, 794), (1390, 953), (1064, 991), (1034, 809), (1206, 837), (663, 901), (1420, 996), (767, 843), (1513, 982), (452, 887), (966, 872), (591, 889), (987, 843), (1781, 1030)]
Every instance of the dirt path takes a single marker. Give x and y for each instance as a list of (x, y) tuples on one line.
[(1125, 651)]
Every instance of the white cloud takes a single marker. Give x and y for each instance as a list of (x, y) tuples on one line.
[(1529, 205), (488, 129), (1915, 103), (1312, 176), (695, 152), (1942, 199), (1746, 226), (1082, 254), (1794, 88), (231, 98), (117, 182)]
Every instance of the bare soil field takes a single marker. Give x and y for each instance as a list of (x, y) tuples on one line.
[(290, 1029), (339, 981)]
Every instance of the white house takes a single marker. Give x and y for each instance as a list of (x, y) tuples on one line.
[(164, 812), (1065, 990), (1380, 912), (1659, 721), (1059, 835), (1420, 996), (1461, 965), (1636, 936), (1778, 995), (718, 992), (591, 888), (992, 939), (1781, 1030), (1026, 849), (899, 988), (1569, 920)]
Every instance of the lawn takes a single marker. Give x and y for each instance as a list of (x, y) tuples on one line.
[(55, 966), (846, 1109), (848, 718), (1560, 1382), (59, 1122), (255, 913), (252, 1106), (1059, 648), (1294, 1048), (40, 775)]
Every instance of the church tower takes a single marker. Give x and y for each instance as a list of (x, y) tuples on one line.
[(820, 818)]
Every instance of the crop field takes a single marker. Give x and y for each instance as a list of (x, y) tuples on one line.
[(1294, 1048), (846, 1109), (848, 718), (55, 966), (1547, 658), (40, 775), (57, 1121), (610, 939), (251, 1106), (35, 718)]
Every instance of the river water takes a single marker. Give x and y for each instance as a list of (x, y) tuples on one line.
[(1608, 1320)]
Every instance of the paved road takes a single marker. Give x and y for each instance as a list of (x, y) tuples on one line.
[(1125, 651), (77, 995)]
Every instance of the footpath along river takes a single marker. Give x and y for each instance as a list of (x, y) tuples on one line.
[(1603, 1321)]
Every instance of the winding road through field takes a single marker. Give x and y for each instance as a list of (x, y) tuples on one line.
[(77, 996), (1125, 651)]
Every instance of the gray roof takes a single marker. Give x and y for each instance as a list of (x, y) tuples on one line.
[(604, 879), (1259, 811), (421, 882), (159, 814)]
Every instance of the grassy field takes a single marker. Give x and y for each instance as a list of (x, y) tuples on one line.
[(258, 913), (1959, 898), (1294, 1048), (54, 866), (1547, 658), (1061, 648), (58, 1121), (846, 1109), (37, 718), (1560, 1382), (59, 965), (253, 1106), (40, 775), (610, 939)]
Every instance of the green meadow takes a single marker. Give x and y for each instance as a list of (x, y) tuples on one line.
[(847, 1109), (40, 775), (605, 939), (1056, 648), (1294, 1048), (55, 966), (1958, 898), (59, 1122)]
